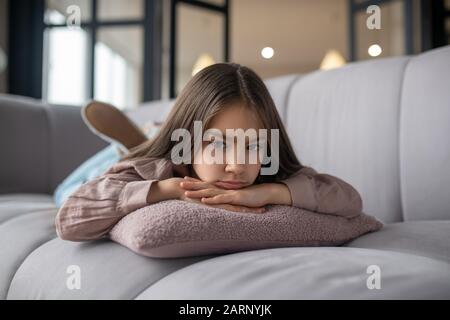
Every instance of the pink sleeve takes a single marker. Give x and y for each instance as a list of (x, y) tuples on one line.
[(323, 193), (97, 205)]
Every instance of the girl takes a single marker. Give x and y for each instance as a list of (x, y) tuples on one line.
[(221, 96)]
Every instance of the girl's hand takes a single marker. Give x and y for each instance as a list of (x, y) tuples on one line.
[(252, 196), (171, 189), (199, 191)]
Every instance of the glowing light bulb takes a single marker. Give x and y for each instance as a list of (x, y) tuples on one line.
[(333, 59), (203, 61), (374, 50), (267, 52)]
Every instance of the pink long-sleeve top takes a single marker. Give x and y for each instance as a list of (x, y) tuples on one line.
[(97, 205)]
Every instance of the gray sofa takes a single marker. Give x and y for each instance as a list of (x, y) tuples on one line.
[(382, 125)]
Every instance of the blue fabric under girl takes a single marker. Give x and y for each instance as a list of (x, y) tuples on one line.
[(90, 169)]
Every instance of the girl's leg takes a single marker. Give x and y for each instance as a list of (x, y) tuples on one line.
[(112, 124)]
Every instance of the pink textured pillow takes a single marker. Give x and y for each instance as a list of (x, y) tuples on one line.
[(176, 228)]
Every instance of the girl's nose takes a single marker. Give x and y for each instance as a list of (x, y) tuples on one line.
[(235, 168), (234, 165)]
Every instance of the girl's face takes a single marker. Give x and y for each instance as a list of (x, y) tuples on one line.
[(234, 116)]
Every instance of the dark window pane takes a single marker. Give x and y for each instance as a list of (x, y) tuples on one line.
[(216, 2)]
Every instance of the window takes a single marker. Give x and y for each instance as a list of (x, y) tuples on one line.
[(206, 27), (206, 21), (65, 69), (447, 20), (118, 66), (391, 35), (103, 57), (395, 36)]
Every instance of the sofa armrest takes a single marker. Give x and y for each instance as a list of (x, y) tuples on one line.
[(41, 144)]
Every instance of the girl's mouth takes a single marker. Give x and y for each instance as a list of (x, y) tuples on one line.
[(230, 184)]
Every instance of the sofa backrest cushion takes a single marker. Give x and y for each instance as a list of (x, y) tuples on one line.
[(345, 122), (71, 142), (41, 144), (24, 136), (425, 136), (280, 88)]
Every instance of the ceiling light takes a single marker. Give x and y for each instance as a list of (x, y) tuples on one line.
[(333, 59), (203, 61), (267, 52), (374, 50)]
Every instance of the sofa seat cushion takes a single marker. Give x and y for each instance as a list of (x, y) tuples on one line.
[(107, 270), (19, 237), (306, 273), (26, 197), (13, 205), (426, 238)]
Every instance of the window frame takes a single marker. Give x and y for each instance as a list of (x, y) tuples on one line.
[(27, 49), (203, 5), (354, 7)]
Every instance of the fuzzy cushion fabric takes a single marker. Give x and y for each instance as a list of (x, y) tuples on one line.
[(176, 228)]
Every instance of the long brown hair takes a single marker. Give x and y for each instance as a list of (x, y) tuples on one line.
[(204, 96)]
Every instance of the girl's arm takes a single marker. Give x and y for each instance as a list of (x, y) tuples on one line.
[(321, 192), (96, 206), (306, 189)]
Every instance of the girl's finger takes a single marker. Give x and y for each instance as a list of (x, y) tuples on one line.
[(237, 209), (202, 193), (228, 199), (191, 179), (250, 209), (192, 185), (255, 209), (230, 207), (217, 199)]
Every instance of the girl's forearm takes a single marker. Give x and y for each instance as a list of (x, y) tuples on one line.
[(278, 193), (270, 193), (164, 190)]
